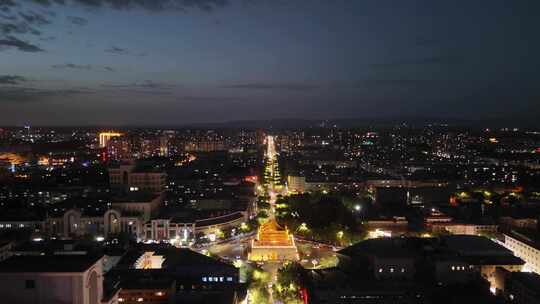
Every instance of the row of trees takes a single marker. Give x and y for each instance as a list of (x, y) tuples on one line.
[(322, 217)]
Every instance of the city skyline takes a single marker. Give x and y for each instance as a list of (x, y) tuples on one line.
[(183, 62)]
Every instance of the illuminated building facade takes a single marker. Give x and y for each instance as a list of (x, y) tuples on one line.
[(77, 223), (126, 176), (104, 138), (181, 231), (273, 243), (465, 228), (120, 148), (296, 184), (525, 247), (205, 146), (147, 291)]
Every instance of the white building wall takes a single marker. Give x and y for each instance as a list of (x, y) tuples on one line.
[(529, 254)]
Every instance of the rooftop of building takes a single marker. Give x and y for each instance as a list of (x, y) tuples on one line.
[(530, 280), (471, 249), (146, 283), (385, 248), (336, 278), (173, 257), (134, 197), (20, 215), (272, 234), (471, 245), (530, 237), (48, 263)]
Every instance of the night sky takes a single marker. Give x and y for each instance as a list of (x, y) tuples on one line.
[(184, 61)]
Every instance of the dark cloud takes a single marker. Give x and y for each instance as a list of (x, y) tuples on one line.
[(50, 38), (11, 79), (433, 60), (72, 66), (394, 82), (122, 51), (34, 18), (87, 67), (77, 20), (273, 86), (152, 5), (117, 50), (147, 84), (17, 27), (30, 94), (7, 3), (399, 82), (16, 19), (208, 98), (12, 42)]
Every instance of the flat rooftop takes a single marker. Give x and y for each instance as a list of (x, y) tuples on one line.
[(48, 263), (473, 245)]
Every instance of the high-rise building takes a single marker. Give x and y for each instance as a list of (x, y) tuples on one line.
[(120, 148), (104, 138)]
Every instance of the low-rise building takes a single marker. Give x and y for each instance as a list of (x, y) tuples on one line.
[(523, 288), (147, 290), (185, 229), (525, 246), (5, 250), (144, 203), (76, 279), (465, 228), (513, 222), (76, 222), (160, 273), (131, 177)]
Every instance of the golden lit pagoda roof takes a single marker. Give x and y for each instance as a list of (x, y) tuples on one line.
[(272, 234)]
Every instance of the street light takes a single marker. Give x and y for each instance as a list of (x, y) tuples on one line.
[(357, 207), (303, 227)]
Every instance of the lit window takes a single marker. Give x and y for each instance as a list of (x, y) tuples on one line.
[(140, 299), (391, 269), (229, 279), (380, 269), (204, 279), (221, 279)]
